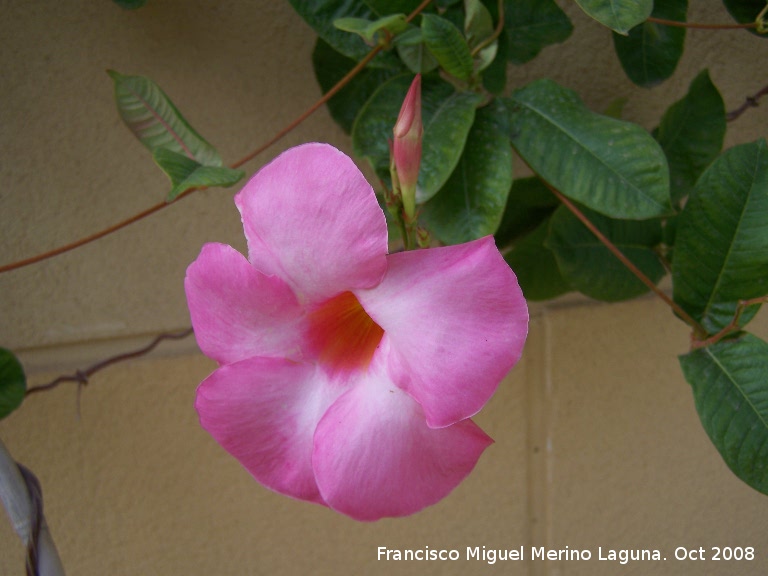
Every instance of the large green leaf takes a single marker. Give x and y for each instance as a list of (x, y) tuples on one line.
[(186, 173), (330, 67), (471, 203), (730, 389), (529, 203), (650, 52), (618, 15), (13, 383), (536, 267), (531, 25), (321, 14), (447, 116), (746, 11), (721, 247), (447, 45), (156, 122), (588, 266), (611, 166), (691, 134)]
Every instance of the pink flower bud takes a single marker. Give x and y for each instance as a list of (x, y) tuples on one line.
[(407, 146)]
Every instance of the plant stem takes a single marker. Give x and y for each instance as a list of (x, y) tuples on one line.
[(81, 376), (750, 102), (678, 24), (698, 329)]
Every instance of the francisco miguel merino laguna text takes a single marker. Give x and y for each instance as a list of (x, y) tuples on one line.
[(493, 555)]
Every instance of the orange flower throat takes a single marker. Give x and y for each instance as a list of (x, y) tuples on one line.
[(342, 335)]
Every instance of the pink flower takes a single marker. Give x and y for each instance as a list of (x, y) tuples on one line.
[(408, 132), (347, 376)]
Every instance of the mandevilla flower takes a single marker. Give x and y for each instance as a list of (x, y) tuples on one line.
[(347, 376)]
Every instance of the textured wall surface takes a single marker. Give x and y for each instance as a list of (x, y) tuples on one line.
[(597, 440)]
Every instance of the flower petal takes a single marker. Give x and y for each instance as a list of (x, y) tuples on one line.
[(376, 457), (456, 320), (264, 412), (238, 312), (311, 218)]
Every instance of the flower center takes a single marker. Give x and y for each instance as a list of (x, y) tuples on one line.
[(342, 334)]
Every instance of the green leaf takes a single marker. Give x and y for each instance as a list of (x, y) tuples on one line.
[(536, 267), (369, 30), (478, 28), (588, 266), (414, 53), (730, 389), (618, 15), (471, 203), (383, 7), (13, 383), (447, 45), (331, 66), (321, 14), (156, 122), (721, 247), (611, 166), (746, 12), (691, 134), (531, 25), (447, 116), (130, 4), (529, 203), (186, 173), (650, 52)]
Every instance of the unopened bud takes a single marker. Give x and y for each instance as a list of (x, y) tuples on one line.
[(407, 146)]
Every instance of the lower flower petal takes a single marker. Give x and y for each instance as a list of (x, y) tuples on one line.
[(456, 321), (238, 312), (376, 457), (264, 412)]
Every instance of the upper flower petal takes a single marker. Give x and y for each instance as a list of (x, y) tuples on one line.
[(311, 218), (376, 457), (456, 320), (264, 412), (238, 312)]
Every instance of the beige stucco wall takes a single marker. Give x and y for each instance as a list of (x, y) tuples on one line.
[(597, 440)]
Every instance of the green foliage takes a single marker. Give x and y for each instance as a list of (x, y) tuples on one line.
[(721, 246), (447, 115), (747, 11), (186, 173), (650, 52), (588, 266), (331, 66), (691, 134), (471, 203), (447, 45), (731, 394), (531, 25), (618, 15), (613, 167), (13, 383), (187, 159), (536, 268)]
